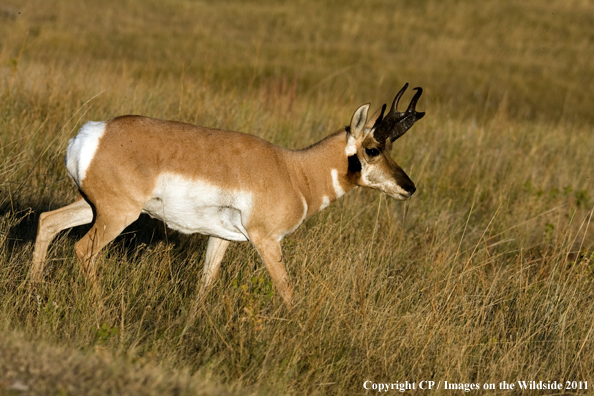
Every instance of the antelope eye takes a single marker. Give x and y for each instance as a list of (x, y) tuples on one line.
[(372, 152)]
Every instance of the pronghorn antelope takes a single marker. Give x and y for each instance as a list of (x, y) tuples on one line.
[(228, 185)]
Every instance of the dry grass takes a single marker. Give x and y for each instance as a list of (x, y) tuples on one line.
[(35, 367), (486, 275)]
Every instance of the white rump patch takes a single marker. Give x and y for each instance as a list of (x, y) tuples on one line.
[(81, 150), (196, 206), (336, 184)]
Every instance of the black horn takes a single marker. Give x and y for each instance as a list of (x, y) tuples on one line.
[(395, 123)]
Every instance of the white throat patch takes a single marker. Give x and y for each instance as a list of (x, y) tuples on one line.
[(351, 146), (336, 184), (325, 203)]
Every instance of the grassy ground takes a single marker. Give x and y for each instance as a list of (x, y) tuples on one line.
[(486, 275)]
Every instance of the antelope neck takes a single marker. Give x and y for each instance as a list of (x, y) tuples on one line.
[(321, 172)]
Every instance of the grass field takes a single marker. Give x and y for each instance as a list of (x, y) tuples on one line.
[(485, 275)]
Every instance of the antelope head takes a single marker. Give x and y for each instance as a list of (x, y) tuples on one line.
[(369, 143)]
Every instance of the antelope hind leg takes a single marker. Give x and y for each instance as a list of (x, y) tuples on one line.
[(50, 224)]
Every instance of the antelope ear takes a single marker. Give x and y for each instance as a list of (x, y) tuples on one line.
[(376, 118), (359, 120)]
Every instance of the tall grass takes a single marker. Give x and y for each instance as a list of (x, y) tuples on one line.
[(484, 276)]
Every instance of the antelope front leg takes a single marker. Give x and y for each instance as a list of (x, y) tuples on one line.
[(271, 253), (212, 263)]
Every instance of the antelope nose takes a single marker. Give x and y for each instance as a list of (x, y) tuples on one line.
[(411, 190)]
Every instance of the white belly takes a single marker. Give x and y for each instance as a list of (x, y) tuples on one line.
[(191, 206)]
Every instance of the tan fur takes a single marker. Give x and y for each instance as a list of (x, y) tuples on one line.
[(286, 186)]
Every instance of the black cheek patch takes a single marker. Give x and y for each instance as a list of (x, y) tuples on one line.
[(354, 164)]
